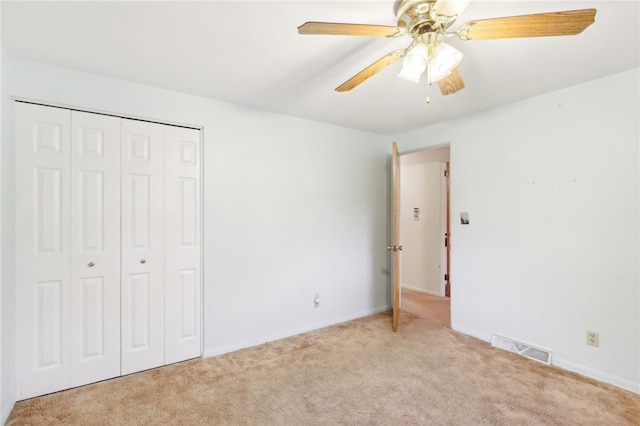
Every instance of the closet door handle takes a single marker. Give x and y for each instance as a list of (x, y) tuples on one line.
[(143, 261), (91, 264)]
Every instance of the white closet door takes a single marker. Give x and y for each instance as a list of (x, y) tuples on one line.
[(182, 244), (95, 248), (142, 246), (42, 249)]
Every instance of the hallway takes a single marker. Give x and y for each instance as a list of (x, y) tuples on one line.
[(433, 308)]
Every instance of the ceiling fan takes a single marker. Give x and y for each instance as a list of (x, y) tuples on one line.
[(427, 22)]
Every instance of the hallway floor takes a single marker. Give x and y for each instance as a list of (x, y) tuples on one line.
[(422, 305)]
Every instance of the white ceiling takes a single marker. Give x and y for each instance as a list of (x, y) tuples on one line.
[(249, 53)]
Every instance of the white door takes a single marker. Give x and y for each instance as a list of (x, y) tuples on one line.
[(95, 248), (182, 244), (42, 249), (142, 246), (94, 294)]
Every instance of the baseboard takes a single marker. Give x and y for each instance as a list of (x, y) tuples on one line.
[(472, 333), (597, 375), (567, 365), (220, 350), (7, 407), (422, 290)]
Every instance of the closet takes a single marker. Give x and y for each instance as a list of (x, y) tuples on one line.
[(107, 247)]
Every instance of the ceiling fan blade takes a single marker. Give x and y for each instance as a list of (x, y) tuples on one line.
[(369, 71), (451, 83), (569, 22), (334, 28)]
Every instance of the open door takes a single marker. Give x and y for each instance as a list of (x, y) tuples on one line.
[(395, 246)]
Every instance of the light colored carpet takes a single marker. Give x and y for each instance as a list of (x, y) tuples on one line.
[(433, 308), (356, 373)]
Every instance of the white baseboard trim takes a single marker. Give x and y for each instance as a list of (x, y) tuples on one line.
[(7, 407), (597, 375), (220, 350), (422, 290), (566, 365), (473, 333)]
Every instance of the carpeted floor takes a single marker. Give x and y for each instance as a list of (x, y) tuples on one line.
[(433, 308), (356, 373)]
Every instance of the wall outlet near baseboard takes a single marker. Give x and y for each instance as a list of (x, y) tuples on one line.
[(593, 338)]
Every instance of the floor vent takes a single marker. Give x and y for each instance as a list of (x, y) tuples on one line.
[(537, 354)]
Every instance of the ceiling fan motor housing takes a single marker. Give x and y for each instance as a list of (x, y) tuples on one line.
[(417, 17)]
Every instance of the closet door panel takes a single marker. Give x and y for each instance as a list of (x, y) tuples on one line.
[(42, 249), (182, 244), (95, 247), (142, 246)]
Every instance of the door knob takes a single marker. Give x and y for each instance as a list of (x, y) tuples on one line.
[(143, 261), (92, 264), (389, 248)]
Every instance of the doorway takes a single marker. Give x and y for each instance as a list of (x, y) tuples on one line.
[(423, 223)]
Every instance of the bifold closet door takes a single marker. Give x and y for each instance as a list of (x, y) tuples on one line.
[(182, 244), (67, 249), (142, 245), (108, 242), (95, 248), (42, 249)]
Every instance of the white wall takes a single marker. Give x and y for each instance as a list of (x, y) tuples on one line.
[(291, 207), (422, 240), (552, 249)]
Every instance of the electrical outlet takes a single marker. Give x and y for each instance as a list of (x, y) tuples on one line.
[(316, 301), (593, 338)]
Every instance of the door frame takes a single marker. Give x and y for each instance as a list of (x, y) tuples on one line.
[(395, 246), (447, 245)]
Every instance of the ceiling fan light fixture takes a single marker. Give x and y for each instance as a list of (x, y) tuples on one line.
[(445, 59), (414, 63), (450, 8)]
